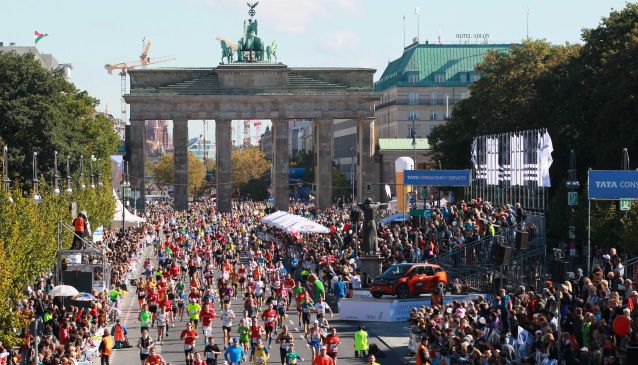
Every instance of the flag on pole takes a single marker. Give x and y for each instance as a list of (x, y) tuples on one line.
[(417, 11), (38, 36)]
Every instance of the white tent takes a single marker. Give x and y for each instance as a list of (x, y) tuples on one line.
[(130, 219), (293, 223)]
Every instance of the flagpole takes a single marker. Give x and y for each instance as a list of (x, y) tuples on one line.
[(527, 23), (404, 31), (417, 11)]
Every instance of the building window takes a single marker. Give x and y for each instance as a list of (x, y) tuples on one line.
[(413, 115), (413, 98), (463, 77), (439, 78), (475, 77), (413, 79), (433, 97), (433, 115)]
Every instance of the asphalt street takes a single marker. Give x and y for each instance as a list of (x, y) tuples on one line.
[(172, 349)]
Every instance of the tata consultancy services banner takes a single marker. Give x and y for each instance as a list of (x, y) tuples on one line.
[(613, 184), (436, 177)]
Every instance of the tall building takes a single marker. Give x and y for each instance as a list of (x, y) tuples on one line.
[(424, 84), (418, 90), (157, 139)]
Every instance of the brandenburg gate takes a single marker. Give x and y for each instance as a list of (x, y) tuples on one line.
[(253, 88)]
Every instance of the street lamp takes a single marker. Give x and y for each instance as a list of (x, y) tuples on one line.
[(56, 177), (572, 185), (5, 171), (82, 184), (69, 189), (91, 165), (99, 173), (36, 182)]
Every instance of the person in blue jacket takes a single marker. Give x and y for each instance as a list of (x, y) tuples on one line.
[(235, 353)]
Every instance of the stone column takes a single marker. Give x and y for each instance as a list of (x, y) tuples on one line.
[(366, 185), (223, 175), (323, 163), (279, 173), (136, 163), (180, 164)]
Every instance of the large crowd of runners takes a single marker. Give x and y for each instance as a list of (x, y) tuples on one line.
[(203, 260)]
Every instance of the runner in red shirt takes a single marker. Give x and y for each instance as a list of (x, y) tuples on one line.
[(154, 359), (270, 319), (189, 335), (255, 333), (207, 315), (332, 343)]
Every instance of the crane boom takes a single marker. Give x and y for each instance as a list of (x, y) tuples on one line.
[(123, 66), (230, 44), (144, 56)]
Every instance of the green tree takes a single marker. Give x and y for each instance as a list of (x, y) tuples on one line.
[(163, 171), (248, 164), (584, 95), (42, 112)]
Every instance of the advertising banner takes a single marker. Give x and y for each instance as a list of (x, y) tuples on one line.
[(436, 177), (613, 184)]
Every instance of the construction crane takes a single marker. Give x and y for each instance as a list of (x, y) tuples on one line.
[(230, 44), (124, 66)]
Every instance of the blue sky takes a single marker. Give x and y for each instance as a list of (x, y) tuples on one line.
[(361, 33)]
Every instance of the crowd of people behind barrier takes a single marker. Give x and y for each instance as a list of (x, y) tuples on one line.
[(505, 327)]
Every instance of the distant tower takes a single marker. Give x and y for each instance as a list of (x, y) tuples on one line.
[(246, 139)]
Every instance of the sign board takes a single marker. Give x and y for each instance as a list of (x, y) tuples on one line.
[(98, 234), (127, 192), (416, 212), (625, 205), (572, 198), (436, 177), (613, 184), (427, 213)]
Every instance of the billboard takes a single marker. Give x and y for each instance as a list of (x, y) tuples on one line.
[(613, 184), (436, 177)]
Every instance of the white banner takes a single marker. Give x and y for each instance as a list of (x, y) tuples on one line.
[(98, 234)]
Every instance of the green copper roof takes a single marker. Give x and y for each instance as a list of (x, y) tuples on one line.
[(455, 61), (402, 144)]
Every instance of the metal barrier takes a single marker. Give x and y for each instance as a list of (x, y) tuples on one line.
[(475, 263)]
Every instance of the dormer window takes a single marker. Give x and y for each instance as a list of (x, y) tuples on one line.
[(439, 78), (413, 78)]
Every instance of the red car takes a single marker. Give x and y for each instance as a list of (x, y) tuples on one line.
[(406, 280)]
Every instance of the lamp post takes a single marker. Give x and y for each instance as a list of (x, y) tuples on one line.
[(69, 189), (573, 184), (91, 165), (126, 187), (56, 177), (36, 182), (352, 156), (82, 184), (5, 171), (99, 173)]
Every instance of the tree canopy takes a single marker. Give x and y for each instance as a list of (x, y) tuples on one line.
[(163, 171), (42, 112), (248, 164), (585, 95)]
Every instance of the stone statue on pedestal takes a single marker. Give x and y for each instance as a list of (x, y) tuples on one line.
[(369, 233)]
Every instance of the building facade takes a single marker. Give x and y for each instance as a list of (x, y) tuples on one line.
[(420, 88)]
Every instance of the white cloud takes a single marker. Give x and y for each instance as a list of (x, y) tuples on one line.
[(341, 42)]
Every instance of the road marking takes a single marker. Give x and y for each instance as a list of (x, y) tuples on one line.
[(296, 329), (291, 322)]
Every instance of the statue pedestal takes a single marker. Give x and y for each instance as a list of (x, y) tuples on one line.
[(371, 265)]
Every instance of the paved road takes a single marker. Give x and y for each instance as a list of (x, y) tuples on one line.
[(172, 350)]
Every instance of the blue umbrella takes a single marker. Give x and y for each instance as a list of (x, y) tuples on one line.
[(84, 297), (399, 217)]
